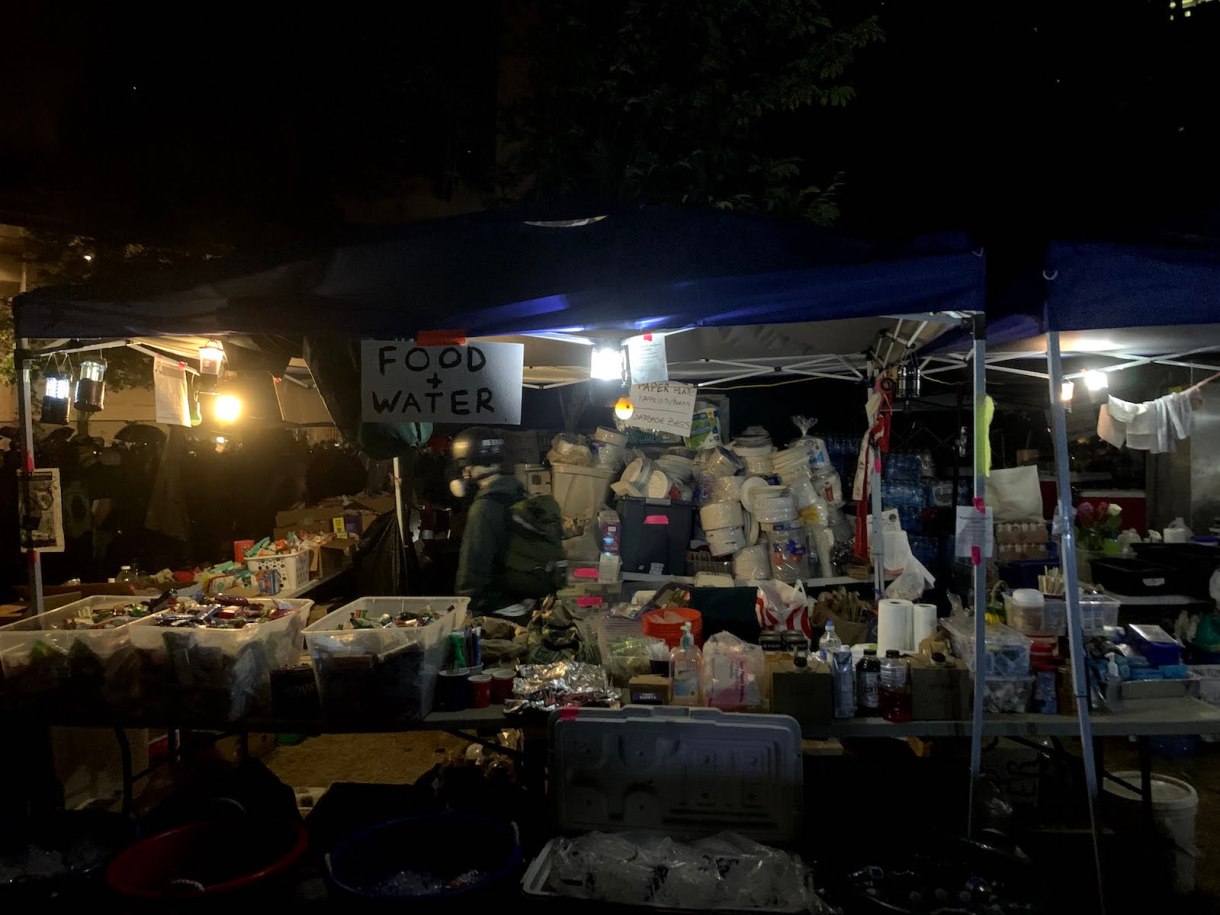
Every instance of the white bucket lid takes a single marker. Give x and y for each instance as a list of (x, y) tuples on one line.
[(1168, 793)]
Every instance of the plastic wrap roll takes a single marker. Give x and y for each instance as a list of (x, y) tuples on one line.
[(773, 505), (721, 462), (894, 625), (721, 515), (727, 489), (758, 463), (923, 623), (725, 542), (753, 563)]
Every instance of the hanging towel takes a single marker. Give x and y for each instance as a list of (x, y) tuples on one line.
[(1109, 431)]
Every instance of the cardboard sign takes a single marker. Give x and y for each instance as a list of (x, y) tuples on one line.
[(475, 384), (646, 358), (667, 406)]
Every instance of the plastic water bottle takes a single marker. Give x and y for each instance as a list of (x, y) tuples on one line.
[(829, 643)]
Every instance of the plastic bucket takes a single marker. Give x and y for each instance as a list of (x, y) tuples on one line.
[(209, 859), (672, 632), (580, 491), (1174, 807), (431, 860)]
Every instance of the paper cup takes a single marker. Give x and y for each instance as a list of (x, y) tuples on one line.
[(480, 690)]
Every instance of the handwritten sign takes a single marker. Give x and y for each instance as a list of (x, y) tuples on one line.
[(480, 383), (663, 405), (974, 529), (646, 358)]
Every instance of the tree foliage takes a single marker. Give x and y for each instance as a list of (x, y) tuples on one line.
[(704, 102)]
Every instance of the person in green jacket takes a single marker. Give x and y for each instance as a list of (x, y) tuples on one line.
[(480, 456)]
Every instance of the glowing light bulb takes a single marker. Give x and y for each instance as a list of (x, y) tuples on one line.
[(1066, 392), (607, 363), (624, 408), (1096, 381), (228, 408)]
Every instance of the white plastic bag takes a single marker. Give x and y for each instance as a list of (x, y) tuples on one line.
[(780, 606), (733, 672), (1014, 494)]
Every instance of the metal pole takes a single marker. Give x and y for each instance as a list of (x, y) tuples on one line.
[(978, 560), (24, 406), (1071, 589), (874, 490), (402, 530)]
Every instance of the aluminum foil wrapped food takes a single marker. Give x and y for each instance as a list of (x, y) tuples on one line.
[(560, 684)]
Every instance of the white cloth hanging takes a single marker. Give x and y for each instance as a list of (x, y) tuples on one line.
[(1152, 426)]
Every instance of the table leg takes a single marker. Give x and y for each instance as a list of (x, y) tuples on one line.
[(1145, 751), (128, 775)]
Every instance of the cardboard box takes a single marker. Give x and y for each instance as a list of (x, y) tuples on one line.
[(807, 696), (851, 633), (336, 555), (940, 693), (650, 689)]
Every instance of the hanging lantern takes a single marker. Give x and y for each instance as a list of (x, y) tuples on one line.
[(211, 358), (90, 386), (56, 399), (909, 380)]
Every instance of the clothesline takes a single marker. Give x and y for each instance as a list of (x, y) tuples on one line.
[(1208, 380)]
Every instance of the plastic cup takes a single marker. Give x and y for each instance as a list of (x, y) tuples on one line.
[(453, 690), (502, 685), (480, 690)]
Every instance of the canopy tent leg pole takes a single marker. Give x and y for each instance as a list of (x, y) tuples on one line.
[(874, 486), (402, 527), (1071, 586), (978, 328), (24, 405)]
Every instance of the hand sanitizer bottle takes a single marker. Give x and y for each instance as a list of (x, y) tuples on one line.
[(686, 670)]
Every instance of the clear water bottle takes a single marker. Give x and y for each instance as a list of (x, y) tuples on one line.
[(829, 643), (126, 573)]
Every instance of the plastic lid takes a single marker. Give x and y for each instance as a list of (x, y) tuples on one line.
[(830, 625), (870, 652), (801, 659), (892, 653), (938, 657)]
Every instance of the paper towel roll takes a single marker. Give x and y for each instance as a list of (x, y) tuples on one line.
[(894, 625), (923, 624)]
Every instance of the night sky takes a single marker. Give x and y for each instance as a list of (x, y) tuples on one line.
[(226, 123)]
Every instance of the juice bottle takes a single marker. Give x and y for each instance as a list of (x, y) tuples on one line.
[(895, 688), (868, 684)]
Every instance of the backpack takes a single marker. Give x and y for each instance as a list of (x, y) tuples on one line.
[(535, 564)]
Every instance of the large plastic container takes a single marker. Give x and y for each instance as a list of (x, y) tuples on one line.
[(209, 860), (80, 671), (381, 674), (581, 491), (1006, 653), (707, 771), (656, 535), (1174, 807), (1134, 576), (464, 860), (209, 675), (1097, 611)]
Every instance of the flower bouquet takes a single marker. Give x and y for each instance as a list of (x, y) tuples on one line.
[(1097, 525)]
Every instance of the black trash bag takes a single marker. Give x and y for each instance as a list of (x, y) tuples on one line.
[(380, 565), (335, 365)]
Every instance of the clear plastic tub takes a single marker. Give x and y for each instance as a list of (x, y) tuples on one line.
[(200, 674), (381, 674), (1096, 612), (1007, 650), (79, 671), (1008, 694)]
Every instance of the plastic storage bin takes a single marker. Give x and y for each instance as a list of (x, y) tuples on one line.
[(1006, 652), (282, 572), (656, 535), (581, 491), (381, 674), (1096, 612), (85, 671), (1134, 576), (707, 772), (1008, 694), (213, 675)]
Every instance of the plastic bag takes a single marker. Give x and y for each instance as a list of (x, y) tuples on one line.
[(910, 584), (733, 672), (781, 606), (1014, 494)]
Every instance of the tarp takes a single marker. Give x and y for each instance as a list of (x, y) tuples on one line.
[(1095, 285), (498, 273)]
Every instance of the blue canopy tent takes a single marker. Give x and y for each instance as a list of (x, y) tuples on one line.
[(503, 273)]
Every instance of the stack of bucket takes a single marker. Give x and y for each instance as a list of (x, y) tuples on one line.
[(667, 624)]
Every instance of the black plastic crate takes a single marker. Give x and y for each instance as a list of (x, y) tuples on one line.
[(656, 535), (1134, 577), (1194, 564)]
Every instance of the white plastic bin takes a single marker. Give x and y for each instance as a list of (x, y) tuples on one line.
[(199, 674), (1006, 653), (581, 491), (381, 674), (282, 572), (1174, 807), (76, 670)]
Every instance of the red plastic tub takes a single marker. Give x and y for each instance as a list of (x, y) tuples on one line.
[(208, 858), (672, 632)]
